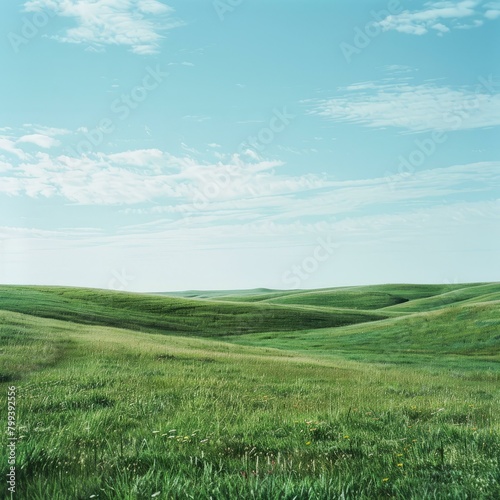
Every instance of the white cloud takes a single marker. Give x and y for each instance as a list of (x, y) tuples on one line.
[(442, 244), (138, 157), (43, 141), (395, 69), (235, 188), (232, 191), (151, 7), (122, 178), (50, 131), (234, 206), (416, 108), (474, 24), (196, 118), (251, 153), (4, 166), (441, 16), (440, 27), (426, 187), (493, 10), (41, 136), (214, 231), (137, 24), (9, 146)]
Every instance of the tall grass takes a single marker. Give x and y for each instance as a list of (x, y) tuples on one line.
[(117, 414)]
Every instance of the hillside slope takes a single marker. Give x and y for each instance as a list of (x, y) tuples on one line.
[(116, 414), (469, 330), (397, 298), (170, 315)]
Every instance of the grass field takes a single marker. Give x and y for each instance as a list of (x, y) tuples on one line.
[(363, 393)]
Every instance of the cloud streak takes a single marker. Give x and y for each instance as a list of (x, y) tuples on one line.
[(413, 107), (441, 17), (137, 24), (156, 183), (40, 140)]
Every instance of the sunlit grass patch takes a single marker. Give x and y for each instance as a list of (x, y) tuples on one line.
[(111, 413)]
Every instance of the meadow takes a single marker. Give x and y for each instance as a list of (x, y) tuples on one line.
[(387, 391)]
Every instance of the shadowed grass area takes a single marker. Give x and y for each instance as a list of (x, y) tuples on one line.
[(403, 407), (408, 298), (456, 295), (169, 315), (471, 330)]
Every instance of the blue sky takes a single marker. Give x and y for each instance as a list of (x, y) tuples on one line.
[(156, 145)]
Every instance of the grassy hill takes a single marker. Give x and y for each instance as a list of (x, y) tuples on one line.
[(410, 297), (470, 330), (130, 396), (169, 315), (456, 295)]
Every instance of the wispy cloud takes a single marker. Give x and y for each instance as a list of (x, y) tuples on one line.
[(233, 194), (441, 17), (139, 176), (138, 158), (196, 118), (13, 141), (234, 187), (41, 140), (169, 210), (137, 24), (210, 232), (43, 129), (9, 145), (492, 10), (413, 107), (172, 254)]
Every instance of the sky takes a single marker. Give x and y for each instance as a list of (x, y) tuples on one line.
[(151, 145)]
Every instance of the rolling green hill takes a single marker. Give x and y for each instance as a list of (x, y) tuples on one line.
[(222, 314), (353, 299), (306, 395), (407, 297), (167, 314), (456, 295), (469, 330)]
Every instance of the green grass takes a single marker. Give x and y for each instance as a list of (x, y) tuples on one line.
[(472, 330), (169, 315), (405, 407), (454, 295), (360, 297)]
